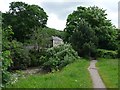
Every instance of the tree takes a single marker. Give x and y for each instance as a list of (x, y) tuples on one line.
[(40, 39), (53, 32), (107, 37), (79, 34), (96, 18), (118, 39), (0, 32), (24, 19)]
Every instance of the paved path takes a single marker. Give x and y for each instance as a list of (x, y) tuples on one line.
[(97, 81)]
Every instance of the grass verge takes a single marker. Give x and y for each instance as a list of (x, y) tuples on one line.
[(108, 70), (74, 75)]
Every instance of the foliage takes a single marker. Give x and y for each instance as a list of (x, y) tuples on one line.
[(118, 39), (57, 57), (106, 53), (71, 76), (35, 58), (53, 32), (118, 51), (6, 58), (19, 55), (6, 38), (6, 62), (89, 49), (107, 37), (40, 40), (24, 19), (81, 33), (100, 25), (0, 19)]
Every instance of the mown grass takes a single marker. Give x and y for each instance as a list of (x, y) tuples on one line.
[(108, 70), (74, 75)]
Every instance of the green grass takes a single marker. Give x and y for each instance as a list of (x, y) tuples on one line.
[(74, 75), (108, 70)]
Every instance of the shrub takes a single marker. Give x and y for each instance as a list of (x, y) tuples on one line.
[(106, 53), (6, 62), (5, 57), (118, 53), (57, 57), (89, 50), (35, 57), (20, 56)]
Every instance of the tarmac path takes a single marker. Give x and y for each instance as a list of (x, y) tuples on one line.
[(96, 79)]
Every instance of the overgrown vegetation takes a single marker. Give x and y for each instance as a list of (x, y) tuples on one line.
[(85, 36), (6, 58), (27, 42), (118, 40), (24, 19), (90, 25), (118, 55), (20, 56), (58, 57)]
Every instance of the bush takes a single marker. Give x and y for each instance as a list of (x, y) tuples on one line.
[(118, 53), (5, 57), (20, 56), (6, 62), (106, 53), (57, 57), (35, 58), (89, 50)]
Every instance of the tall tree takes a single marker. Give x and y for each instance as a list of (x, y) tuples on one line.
[(96, 17), (82, 37), (24, 19)]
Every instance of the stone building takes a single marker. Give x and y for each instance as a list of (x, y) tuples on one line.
[(56, 41), (52, 42)]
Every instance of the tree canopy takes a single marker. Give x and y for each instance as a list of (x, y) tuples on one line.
[(81, 36), (24, 19), (100, 25)]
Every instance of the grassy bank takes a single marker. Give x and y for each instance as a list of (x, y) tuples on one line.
[(74, 75), (108, 70)]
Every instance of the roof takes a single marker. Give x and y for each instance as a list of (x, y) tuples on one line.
[(56, 38)]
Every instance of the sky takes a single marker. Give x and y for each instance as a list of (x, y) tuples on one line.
[(58, 10)]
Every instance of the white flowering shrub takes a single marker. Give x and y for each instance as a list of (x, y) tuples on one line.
[(57, 57)]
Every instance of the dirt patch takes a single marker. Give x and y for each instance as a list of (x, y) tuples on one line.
[(34, 70)]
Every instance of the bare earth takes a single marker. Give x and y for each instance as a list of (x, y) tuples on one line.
[(97, 81), (33, 70)]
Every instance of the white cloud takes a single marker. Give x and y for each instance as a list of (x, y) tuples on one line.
[(55, 22), (4, 5)]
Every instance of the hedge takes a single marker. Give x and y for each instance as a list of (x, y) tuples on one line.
[(106, 53)]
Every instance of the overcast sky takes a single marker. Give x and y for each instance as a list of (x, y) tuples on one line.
[(58, 10)]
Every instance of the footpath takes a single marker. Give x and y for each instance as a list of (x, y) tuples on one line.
[(97, 81)]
